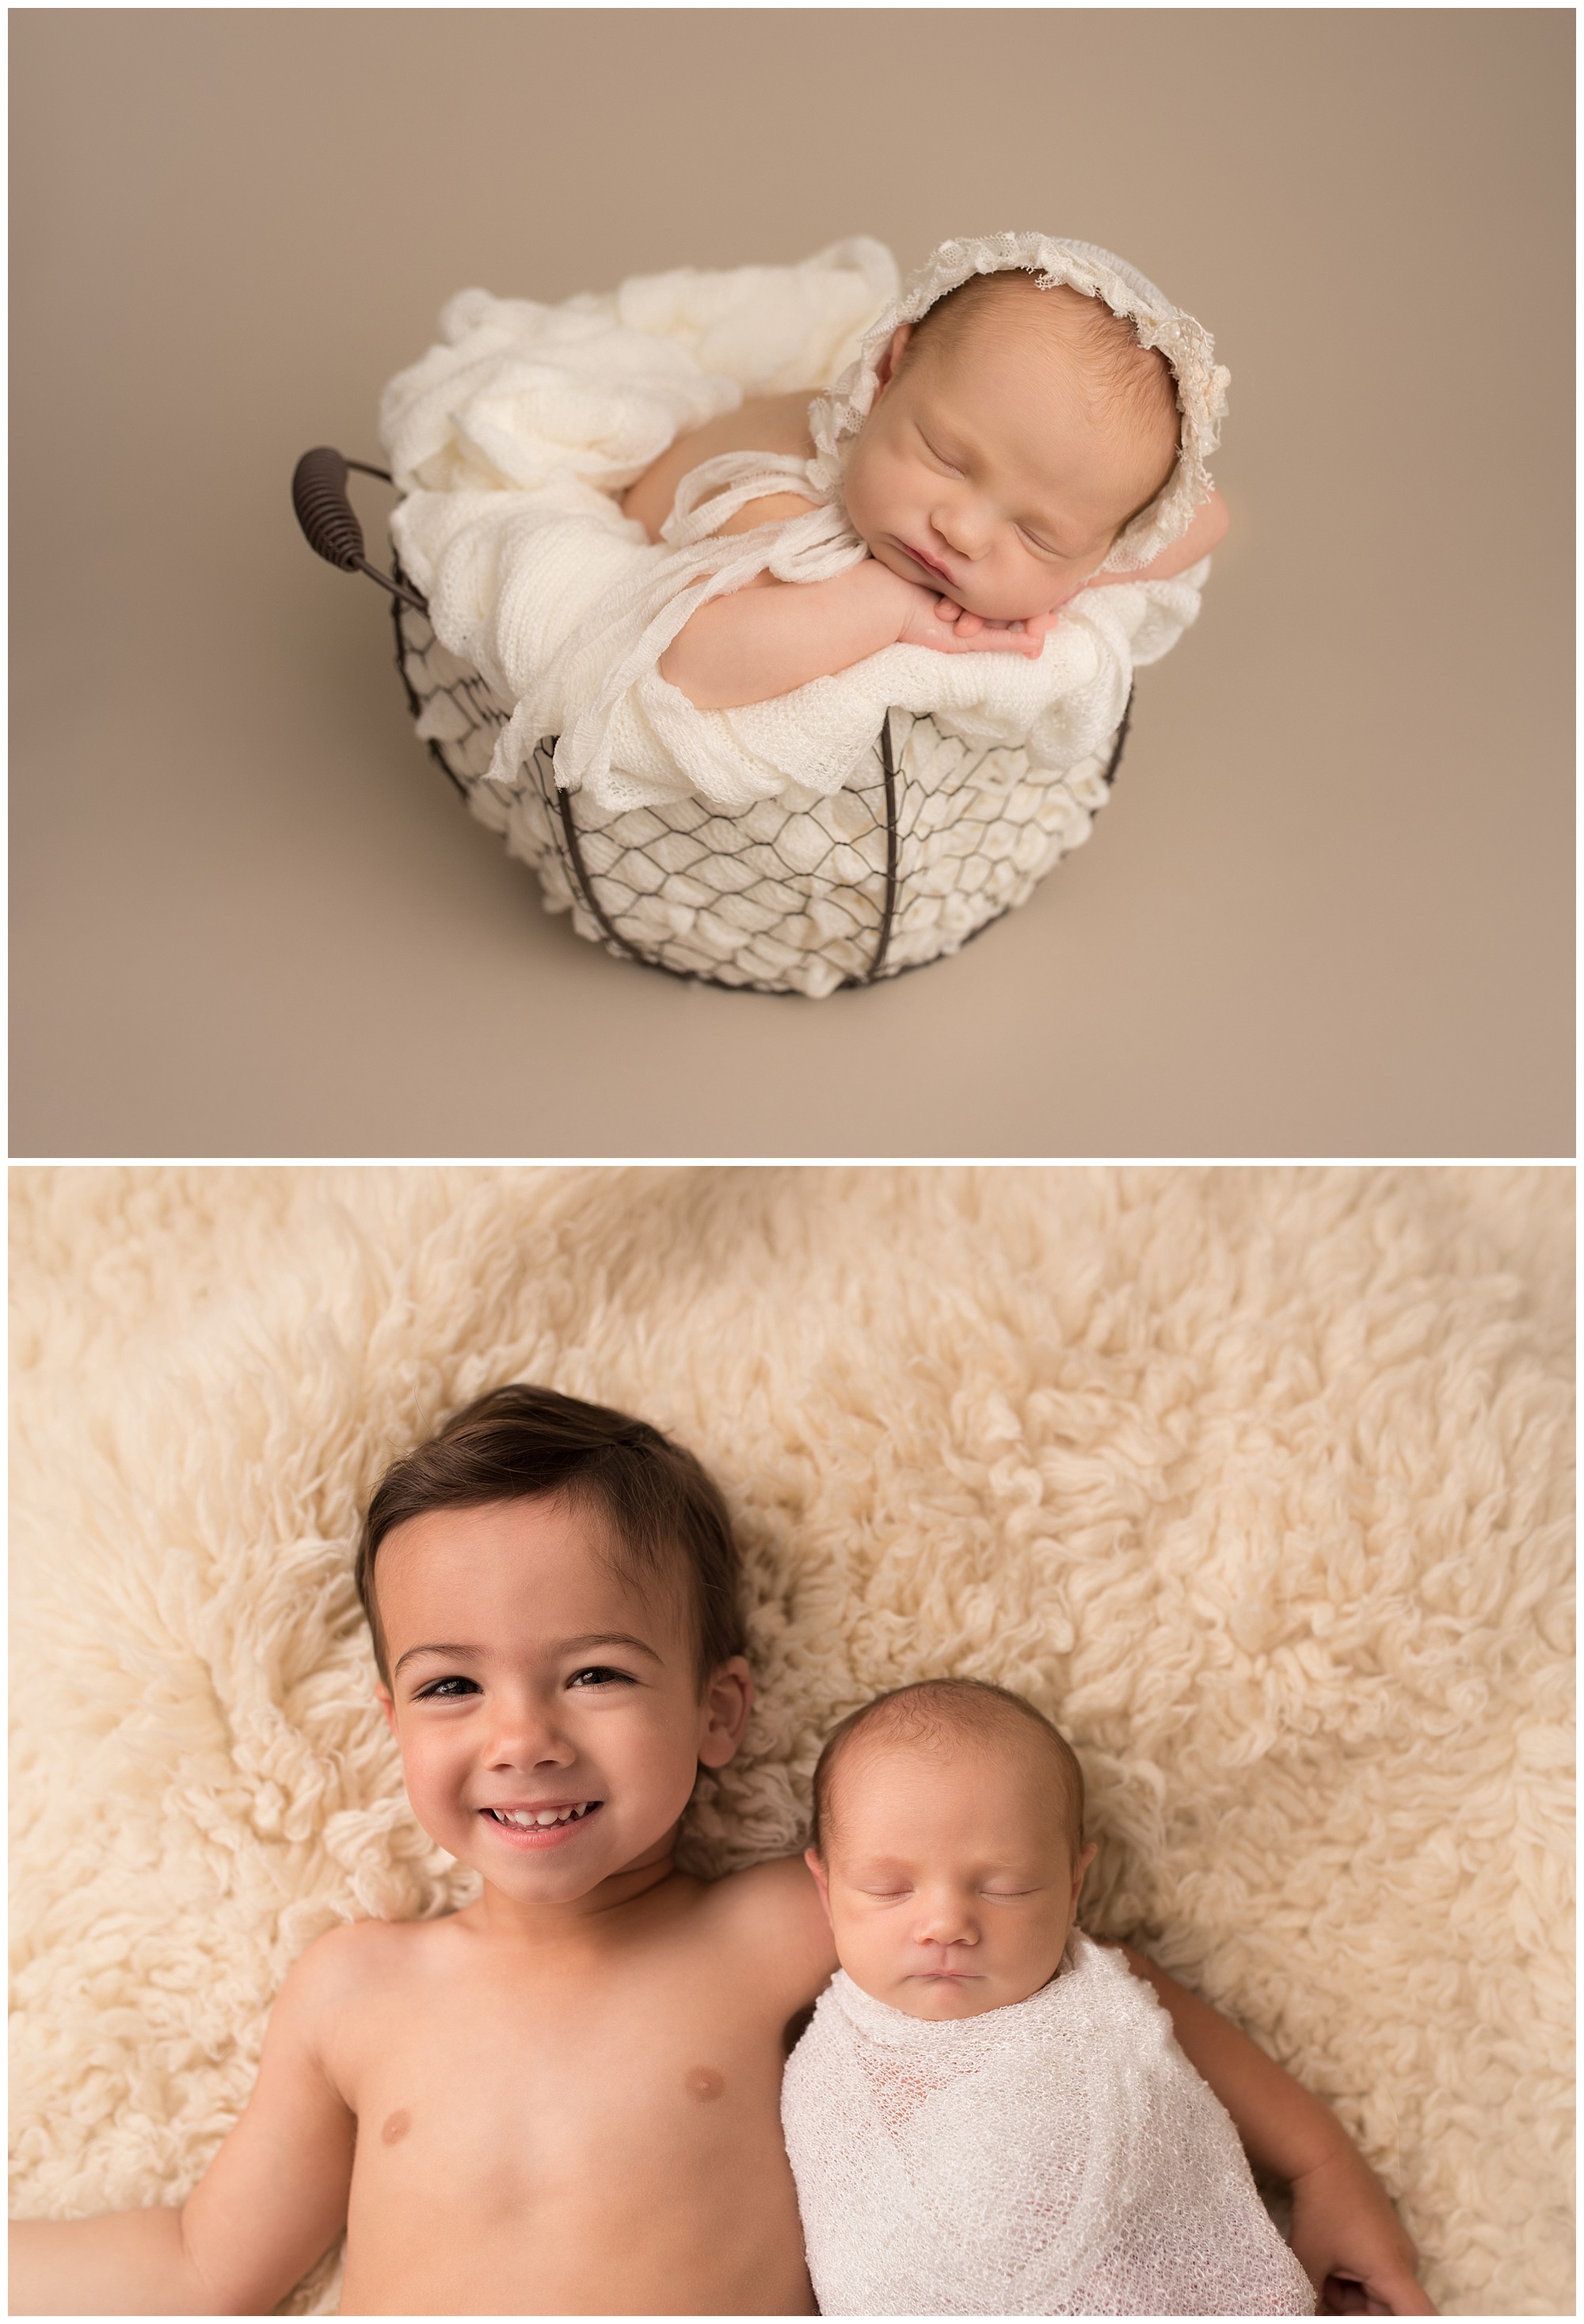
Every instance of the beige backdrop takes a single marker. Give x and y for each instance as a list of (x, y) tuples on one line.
[(1328, 912)]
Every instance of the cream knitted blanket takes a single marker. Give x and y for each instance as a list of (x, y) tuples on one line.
[(515, 437), (1058, 2157)]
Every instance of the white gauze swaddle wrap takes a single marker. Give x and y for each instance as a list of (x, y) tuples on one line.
[(1056, 2157), (514, 439)]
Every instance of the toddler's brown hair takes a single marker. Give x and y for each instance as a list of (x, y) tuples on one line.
[(665, 1512)]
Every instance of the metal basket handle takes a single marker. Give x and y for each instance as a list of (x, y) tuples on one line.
[(330, 527)]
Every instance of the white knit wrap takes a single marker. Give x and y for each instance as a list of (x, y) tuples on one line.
[(1055, 2157), (513, 438)]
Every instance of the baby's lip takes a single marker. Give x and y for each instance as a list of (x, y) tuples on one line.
[(928, 563)]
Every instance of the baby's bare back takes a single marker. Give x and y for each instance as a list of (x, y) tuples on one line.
[(592, 2128)]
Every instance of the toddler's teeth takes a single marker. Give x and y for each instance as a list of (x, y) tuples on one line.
[(541, 1819)]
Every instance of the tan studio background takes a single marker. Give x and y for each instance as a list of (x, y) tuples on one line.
[(1328, 912)]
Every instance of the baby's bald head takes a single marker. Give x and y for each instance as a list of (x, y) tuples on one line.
[(941, 1715)]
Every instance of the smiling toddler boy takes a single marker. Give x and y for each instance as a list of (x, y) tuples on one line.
[(565, 2098)]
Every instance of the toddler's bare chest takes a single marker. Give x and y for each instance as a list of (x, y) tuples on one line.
[(514, 2084), (582, 2143)]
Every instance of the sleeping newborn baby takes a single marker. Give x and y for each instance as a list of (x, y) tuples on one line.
[(1016, 432), (705, 531), (989, 2115)]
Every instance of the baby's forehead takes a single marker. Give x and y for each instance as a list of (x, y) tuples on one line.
[(1048, 374), (992, 1751)]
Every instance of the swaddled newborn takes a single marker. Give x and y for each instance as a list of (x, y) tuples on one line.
[(1018, 430), (989, 2115)]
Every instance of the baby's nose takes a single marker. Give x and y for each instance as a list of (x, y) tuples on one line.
[(946, 1922), (964, 528)]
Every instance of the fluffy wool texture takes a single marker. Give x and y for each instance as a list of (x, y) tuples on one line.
[(1258, 1482), (1058, 2156), (513, 437)]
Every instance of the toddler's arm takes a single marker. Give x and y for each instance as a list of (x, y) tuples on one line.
[(1346, 2235), (270, 2203)]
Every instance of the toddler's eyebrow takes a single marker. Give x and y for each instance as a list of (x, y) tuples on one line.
[(452, 1654), (563, 1646), (607, 1638)]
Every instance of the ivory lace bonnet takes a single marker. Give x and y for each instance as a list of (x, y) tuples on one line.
[(1186, 345)]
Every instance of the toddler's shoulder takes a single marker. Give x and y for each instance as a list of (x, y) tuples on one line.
[(775, 1909), (775, 1887), (354, 1961)]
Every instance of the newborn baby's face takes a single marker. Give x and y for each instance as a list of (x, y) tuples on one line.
[(947, 1874), (995, 467)]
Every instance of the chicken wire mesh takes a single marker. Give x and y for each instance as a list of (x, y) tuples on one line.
[(929, 841)]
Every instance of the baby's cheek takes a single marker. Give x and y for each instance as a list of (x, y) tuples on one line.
[(874, 493)]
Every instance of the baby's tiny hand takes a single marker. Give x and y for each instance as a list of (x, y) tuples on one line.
[(949, 628), (1351, 2244)]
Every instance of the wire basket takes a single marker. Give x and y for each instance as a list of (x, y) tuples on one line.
[(928, 842)]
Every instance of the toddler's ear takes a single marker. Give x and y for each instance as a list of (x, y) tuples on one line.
[(727, 1702), (811, 1857), (383, 1695)]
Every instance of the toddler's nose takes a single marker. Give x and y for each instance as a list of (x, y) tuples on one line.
[(524, 1736)]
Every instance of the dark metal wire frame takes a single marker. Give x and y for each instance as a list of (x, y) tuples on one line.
[(695, 976), (402, 593), (401, 589), (415, 707)]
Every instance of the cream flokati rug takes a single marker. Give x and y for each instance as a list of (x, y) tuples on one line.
[(1258, 1481)]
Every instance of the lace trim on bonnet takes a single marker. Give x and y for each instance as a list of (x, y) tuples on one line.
[(1186, 345)]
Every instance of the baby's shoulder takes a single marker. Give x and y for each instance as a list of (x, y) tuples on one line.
[(766, 423), (776, 423)]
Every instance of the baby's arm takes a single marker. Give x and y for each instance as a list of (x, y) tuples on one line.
[(772, 636), (1207, 532), (1345, 2233), (270, 2203)]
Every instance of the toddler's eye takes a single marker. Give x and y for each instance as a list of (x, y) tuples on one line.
[(447, 1690), (598, 1674)]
